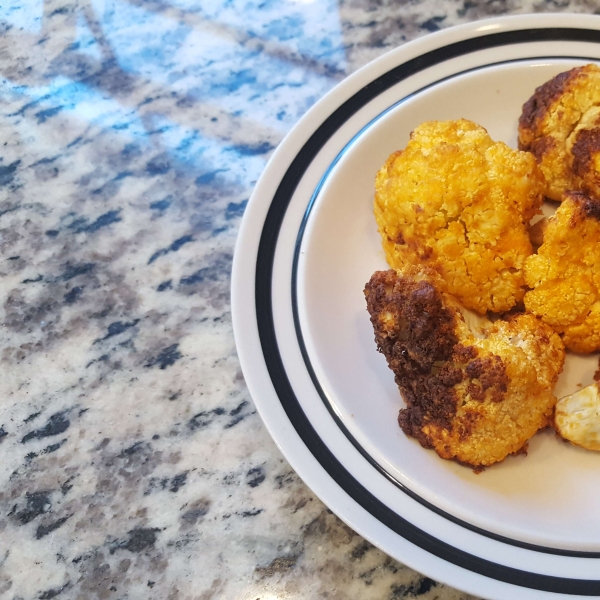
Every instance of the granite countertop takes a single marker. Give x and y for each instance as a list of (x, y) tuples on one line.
[(134, 464)]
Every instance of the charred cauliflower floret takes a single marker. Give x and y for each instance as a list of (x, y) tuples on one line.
[(461, 203), (474, 392), (565, 273), (560, 125)]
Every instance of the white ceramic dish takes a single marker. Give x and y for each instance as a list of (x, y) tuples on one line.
[(526, 528)]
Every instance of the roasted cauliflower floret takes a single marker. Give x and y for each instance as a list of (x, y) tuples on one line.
[(577, 417), (565, 273), (475, 391), (560, 125), (461, 203)]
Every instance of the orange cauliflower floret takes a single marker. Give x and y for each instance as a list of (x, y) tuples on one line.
[(565, 273), (459, 202), (560, 125), (475, 391)]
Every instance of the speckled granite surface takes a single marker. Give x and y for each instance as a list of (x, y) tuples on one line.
[(133, 463)]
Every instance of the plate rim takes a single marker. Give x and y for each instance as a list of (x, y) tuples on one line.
[(300, 317), (258, 210)]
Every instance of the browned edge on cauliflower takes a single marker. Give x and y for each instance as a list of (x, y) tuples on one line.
[(560, 126)]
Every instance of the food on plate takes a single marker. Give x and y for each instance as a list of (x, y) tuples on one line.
[(475, 391), (461, 203), (577, 417), (560, 125), (565, 273)]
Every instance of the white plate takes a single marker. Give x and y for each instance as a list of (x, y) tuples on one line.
[(526, 528)]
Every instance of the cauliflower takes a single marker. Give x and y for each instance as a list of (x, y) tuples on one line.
[(461, 203), (475, 392), (560, 125), (564, 274), (577, 417)]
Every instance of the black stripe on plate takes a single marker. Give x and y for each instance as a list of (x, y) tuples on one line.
[(266, 327)]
